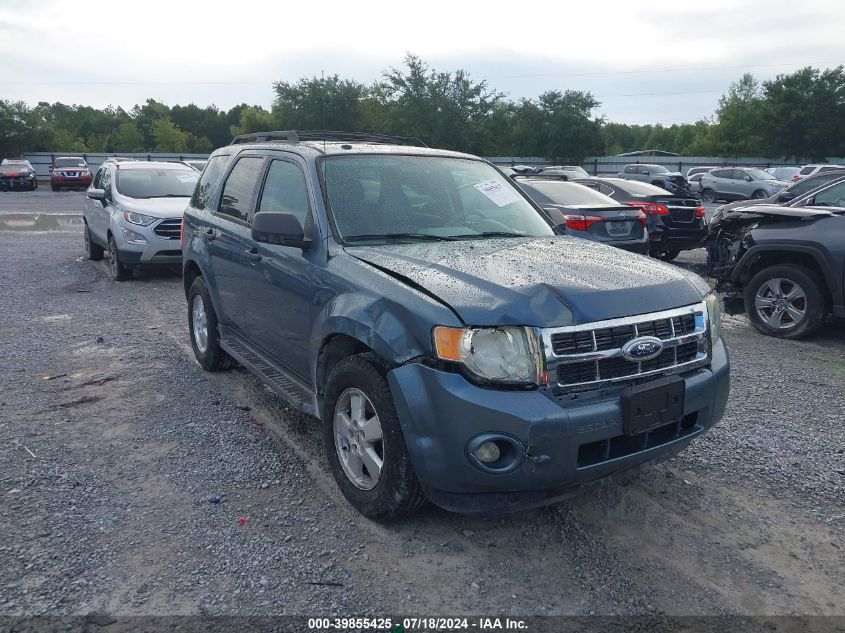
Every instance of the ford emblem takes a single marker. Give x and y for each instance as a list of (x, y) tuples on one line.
[(642, 348)]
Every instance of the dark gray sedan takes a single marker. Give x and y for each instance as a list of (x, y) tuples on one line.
[(583, 212)]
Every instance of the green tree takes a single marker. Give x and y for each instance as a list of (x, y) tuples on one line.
[(168, 137), (445, 109), (254, 119), (329, 103), (128, 138), (805, 114)]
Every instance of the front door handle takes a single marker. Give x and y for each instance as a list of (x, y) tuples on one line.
[(253, 254), (209, 234)]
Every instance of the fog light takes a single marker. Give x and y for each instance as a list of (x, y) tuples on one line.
[(488, 452), (133, 238)]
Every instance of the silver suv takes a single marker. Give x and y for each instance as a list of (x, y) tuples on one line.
[(738, 184), (134, 210)]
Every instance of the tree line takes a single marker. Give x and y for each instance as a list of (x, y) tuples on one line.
[(800, 115)]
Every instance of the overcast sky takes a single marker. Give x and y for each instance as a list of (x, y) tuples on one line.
[(646, 62)]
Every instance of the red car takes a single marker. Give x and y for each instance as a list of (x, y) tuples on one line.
[(71, 172)]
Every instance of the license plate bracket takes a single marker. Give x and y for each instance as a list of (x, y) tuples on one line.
[(653, 404)]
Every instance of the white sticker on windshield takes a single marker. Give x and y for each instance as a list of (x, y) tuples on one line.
[(501, 196), (187, 177)]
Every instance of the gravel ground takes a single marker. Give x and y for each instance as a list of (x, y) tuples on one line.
[(132, 482)]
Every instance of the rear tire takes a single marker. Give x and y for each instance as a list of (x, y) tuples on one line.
[(665, 255), (785, 301), (394, 490), (201, 314), (93, 251), (708, 195), (119, 272)]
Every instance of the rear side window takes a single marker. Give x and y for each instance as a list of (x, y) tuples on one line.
[(803, 186), (806, 170), (721, 173), (210, 175), (285, 192), (834, 196), (630, 169), (240, 187)]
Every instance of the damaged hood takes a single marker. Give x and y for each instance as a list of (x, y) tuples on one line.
[(542, 282)]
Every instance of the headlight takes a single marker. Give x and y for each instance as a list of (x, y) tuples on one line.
[(714, 317), (509, 355), (138, 218)]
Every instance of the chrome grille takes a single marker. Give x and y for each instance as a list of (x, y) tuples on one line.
[(581, 357), (169, 229)]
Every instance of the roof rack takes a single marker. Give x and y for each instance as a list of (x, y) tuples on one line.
[(289, 136), (293, 136)]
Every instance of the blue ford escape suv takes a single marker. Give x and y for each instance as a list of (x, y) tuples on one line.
[(453, 347)]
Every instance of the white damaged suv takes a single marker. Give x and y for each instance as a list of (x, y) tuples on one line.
[(133, 210)]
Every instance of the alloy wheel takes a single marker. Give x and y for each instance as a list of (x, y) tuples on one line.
[(781, 303), (358, 438), (199, 323)]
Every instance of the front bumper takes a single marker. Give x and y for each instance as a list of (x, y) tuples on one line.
[(157, 250), (441, 412), (64, 181), (17, 183)]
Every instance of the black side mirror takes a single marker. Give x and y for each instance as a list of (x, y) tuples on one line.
[(786, 196), (748, 179), (283, 229), (645, 172)]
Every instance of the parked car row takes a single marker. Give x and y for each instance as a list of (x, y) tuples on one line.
[(392, 291), (66, 172)]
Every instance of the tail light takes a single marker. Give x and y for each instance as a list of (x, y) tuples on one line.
[(643, 219), (699, 212), (581, 222), (651, 208)]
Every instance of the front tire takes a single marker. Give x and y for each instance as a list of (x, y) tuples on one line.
[(759, 195), (54, 187), (204, 330), (708, 195), (364, 441), (785, 301), (119, 272), (93, 251)]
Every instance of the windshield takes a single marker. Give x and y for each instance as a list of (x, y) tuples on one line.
[(156, 183), (759, 174), (567, 193), (386, 197), (69, 162)]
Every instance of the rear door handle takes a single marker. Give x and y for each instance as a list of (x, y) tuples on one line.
[(253, 254)]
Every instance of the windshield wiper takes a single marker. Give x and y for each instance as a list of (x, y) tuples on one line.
[(488, 234), (400, 236)]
